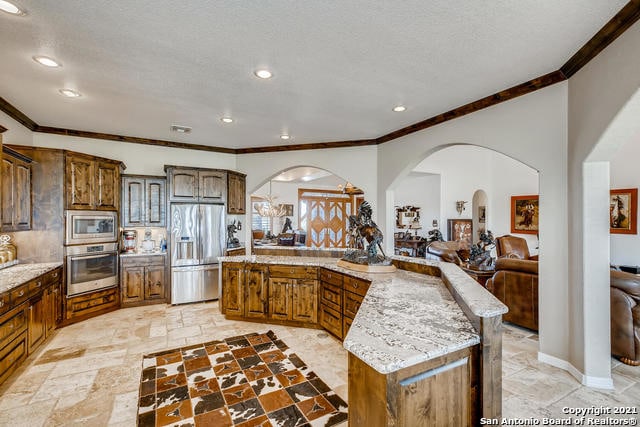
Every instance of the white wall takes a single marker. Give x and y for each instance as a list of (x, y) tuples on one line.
[(532, 129), (623, 171), (423, 192), (355, 164), (16, 133), (598, 96)]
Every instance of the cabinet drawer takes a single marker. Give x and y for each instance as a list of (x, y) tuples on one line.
[(19, 295), (53, 276), (13, 324), (351, 303), (142, 261), (331, 320), (36, 285), (331, 296), (12, 355), (293, 272), (90, 303), (5, 301), (331, 277), (357, 286)]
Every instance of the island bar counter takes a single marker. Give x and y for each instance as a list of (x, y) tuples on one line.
[(424, 347)]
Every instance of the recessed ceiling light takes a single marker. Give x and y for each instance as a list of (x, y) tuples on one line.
[(263, 74), (46, 61), (399, 108), (11, 8), (180, 129), (70, 93), (226, 120), (285, 136)]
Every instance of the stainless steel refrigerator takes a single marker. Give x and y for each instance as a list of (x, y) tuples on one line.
[(197, 240)]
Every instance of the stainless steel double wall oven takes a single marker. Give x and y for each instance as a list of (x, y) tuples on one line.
[(91, 250)]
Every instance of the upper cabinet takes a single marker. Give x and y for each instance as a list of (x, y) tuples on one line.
[(197, 185), (16, 191), (143, 201), (91, 183), (236, 193)]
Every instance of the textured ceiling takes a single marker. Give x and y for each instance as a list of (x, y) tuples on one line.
[(339, 66)]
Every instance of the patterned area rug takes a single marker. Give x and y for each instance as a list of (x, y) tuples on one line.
[(246, 381)]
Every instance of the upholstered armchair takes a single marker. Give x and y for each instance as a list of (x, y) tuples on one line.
[(625, 317), (515, 281)]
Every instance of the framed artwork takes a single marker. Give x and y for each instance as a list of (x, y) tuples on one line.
[(288, 210), (623, 217), (482, 214), (459, 230), (524, 214)]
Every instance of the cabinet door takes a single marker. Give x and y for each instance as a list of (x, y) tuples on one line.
[(305, 300), (280, 298), (132, 284), (57, 300), (37, 324), (212, 186), (256, 302), (79, 177), (107, 188), (155, 193), (235, 193), (133, 202), (154, 282), (233, 289), (8, 177), (22, 196), (183, 185)]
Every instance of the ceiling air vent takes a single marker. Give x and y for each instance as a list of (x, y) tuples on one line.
[(180, 129)]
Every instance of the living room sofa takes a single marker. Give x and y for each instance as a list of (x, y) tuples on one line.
[(625, 317), (515, 282)]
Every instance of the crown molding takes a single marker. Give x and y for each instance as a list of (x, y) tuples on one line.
[(617, 25)]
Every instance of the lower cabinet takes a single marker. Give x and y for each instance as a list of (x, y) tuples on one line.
[(88, 305), (232, 301), (293, 299), (256, 304), (142, 280), (33, 310)]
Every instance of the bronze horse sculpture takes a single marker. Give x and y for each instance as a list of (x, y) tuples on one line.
[(363, 228)]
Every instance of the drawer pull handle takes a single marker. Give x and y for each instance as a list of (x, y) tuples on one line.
[(21, 293), (1, 303), (38, 284), (355, 286), (55, 274)]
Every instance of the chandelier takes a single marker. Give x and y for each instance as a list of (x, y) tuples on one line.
[(269, 208)]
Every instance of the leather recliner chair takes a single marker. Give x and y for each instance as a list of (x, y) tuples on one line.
[(515, 282), (625, 317)]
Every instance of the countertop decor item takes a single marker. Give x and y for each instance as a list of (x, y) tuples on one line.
[(8, 252)]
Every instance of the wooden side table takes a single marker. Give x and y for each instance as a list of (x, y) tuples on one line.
[(480, 276)]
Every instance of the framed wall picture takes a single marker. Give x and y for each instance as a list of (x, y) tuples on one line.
[(288, 210), (524, 214), (482, 214), (623, 217), (459, 230)]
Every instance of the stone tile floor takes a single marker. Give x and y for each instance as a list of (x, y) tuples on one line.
[(88, 373)]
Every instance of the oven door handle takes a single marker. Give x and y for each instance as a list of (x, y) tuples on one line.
[(74, 258)]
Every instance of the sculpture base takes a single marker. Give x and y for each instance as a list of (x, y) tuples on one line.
[(364, 268)]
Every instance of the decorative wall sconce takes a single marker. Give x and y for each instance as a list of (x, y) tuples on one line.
[(460, 206)]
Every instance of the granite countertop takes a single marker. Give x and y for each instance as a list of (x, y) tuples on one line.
[(294, 247), (134, 254), (21, 273), (406, 318)]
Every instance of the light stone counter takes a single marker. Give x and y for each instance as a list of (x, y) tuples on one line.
[(406, 318), (22, 273), (136, 254)]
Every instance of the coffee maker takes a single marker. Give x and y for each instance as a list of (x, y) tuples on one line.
[(129, 241)]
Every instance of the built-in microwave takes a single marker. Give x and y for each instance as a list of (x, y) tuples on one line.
[(84, 227)]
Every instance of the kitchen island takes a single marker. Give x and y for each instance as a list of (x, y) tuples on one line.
[(424, 342)]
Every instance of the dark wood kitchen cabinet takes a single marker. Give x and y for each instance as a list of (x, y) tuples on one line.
[(91, 183), (143, 201), (196, 185), (37, 324), (16, 191), (236, 193), (143, 280), (293, 293), (256, 303), (232, 299)]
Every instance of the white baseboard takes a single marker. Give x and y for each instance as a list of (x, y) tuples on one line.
[(589, 381)]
